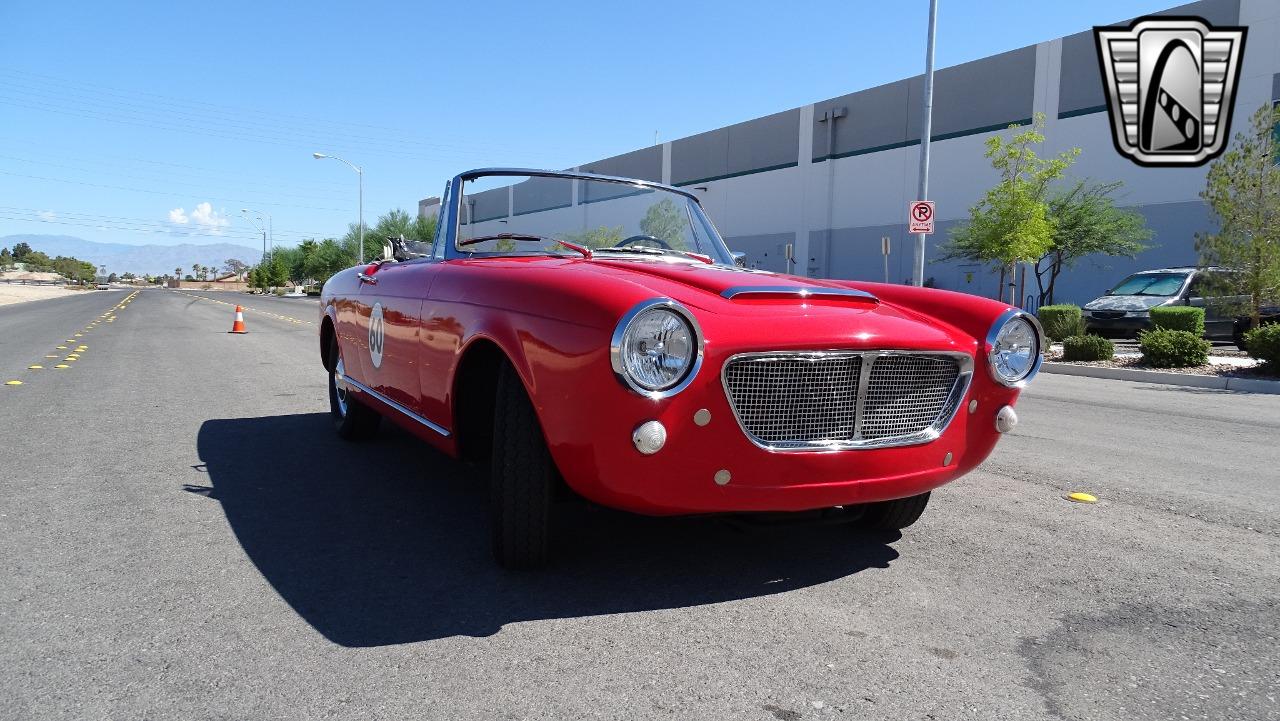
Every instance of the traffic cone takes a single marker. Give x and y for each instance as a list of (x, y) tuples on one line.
[(238, 326)]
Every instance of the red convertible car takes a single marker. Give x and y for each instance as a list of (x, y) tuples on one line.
[(594, 334)]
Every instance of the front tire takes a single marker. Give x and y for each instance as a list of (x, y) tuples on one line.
[(352, 420), (895, 515), (522, 477)]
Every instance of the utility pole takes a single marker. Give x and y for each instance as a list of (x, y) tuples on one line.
[(926, 127)]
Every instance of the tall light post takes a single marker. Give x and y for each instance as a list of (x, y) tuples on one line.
[(926, 126), (265, 230), (360, 175)]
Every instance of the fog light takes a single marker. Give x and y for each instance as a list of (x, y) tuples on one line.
[(1006, 419), (649, 437)]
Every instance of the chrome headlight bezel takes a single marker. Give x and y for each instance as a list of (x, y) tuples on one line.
[(1014, 315), (616, 348)]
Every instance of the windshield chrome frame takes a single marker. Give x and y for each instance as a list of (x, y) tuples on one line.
[(454, 211)]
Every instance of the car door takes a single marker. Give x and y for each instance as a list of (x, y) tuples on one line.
[(1206, 292), (390, 304)]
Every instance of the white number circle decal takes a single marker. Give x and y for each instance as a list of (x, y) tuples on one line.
[(376, 335)]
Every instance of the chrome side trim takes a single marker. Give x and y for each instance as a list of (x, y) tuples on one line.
[(378, 396), (797, 291), (1005, 317), (615, 347), (949, 410)]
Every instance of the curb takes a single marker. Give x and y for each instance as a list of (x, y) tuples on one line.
[(1248, 385)]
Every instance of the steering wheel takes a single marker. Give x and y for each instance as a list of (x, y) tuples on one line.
[(644, 240)]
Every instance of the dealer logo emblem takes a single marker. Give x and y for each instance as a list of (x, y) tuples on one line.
[(1170, 82), (377, 334)]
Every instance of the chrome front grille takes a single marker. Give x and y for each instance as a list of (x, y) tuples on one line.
[(845, 399), (787, 399), (906, 394)]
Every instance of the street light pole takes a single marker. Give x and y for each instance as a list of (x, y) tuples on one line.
[(360, 175), (926, 127)]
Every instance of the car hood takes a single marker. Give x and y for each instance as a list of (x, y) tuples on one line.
[(849, 320), (1127, 302)]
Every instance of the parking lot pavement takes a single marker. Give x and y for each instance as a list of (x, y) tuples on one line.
[(181, 536)]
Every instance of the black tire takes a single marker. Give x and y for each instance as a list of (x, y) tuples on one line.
[(352, 420), (895, 515), (522, 476)]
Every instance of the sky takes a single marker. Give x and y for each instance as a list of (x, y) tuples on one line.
[(149, 122)]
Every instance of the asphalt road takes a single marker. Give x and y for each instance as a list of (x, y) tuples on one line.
[(182, 536)]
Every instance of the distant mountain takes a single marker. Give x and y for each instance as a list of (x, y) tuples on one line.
[(137, 259)]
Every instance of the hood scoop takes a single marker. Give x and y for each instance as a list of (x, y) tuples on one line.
[(784, 292)]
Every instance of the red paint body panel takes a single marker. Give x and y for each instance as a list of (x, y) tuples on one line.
[(553, 318)]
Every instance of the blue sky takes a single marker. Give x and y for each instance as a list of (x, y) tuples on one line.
[(146, 122)]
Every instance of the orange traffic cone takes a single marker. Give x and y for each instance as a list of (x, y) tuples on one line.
[(238, 325)]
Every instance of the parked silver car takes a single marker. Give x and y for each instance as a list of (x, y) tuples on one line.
[(1125, 310)]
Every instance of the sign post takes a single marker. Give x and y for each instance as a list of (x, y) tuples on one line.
[(920, 217), (884, 250)]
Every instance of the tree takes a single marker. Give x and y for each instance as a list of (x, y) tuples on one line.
[(20, 252), (422, 229), (329, 258), (236, 266), (195, 271), (113, 278), (1086, 221), (278, 270), (35, 260), (1011, 223), (603, 236), (1243, 191), (177, 273), (6, 258), (664, 220)]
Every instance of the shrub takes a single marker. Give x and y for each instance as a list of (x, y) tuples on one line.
[(1264, 344), (1179, 317), (1163, 348), (1061, 321), (1087, 348), (279, 292)]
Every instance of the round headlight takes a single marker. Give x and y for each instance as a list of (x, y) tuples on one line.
[(656, 348), (1015, 349)]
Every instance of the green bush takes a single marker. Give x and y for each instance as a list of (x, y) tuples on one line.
[(1179, 317), (1087, 348), (1061, 321), (1264, 344), (1163, 348), (280, 292)]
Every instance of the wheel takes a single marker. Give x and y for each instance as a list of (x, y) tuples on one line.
[(352, 420), (896, 514), (522, 477)]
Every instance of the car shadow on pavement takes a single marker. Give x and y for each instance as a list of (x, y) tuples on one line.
[(387, 541)]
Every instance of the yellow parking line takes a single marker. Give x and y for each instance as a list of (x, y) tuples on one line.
[(13, 383)]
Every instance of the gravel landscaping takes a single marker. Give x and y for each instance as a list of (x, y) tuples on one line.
[(1225, 370)]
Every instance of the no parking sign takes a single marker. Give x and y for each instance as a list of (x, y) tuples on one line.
[(920, 216)]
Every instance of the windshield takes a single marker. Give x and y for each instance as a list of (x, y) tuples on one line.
[(527, 215), (1161, 284)]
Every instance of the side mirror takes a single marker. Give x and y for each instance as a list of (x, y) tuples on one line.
[(739, 258)]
